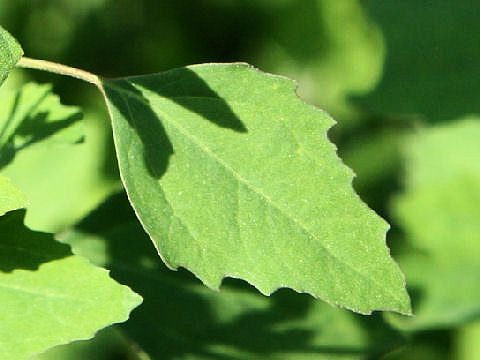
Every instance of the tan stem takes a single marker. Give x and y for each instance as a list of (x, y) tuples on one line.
[(29, 63)]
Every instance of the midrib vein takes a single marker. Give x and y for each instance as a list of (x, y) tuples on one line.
[(38, 293)]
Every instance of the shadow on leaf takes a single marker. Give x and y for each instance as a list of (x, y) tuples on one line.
[(180, 317), (183, 87), (29, 122), (22, 248)]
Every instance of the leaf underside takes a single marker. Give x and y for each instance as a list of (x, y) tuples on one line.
[(231, 174)]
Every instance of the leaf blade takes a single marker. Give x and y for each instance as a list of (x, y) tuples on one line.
[(56, 145), (442, 263), (11, 198), (221, 201), (235, 323), (49, 296)]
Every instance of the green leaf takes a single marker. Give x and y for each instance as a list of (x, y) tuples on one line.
[(331, 46), (440, 212), (233, 176), (42, 156), (49, 296), (10, 53), (34, 114), (10, 197), (234, 323), (468, 346)]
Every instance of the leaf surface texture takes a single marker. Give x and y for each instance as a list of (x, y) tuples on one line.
[(10, 53), (49, 296), (231, 174), (11, 198), (182, 319)]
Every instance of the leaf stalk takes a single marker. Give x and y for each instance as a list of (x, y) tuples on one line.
[(28, 63)]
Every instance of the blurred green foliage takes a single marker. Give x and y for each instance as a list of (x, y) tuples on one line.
[(389, 72)]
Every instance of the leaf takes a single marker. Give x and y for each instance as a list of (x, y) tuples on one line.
[(34, 114), (10, 53), (42, 156), (467, 341), (10, 197), (232, 175), (331, 46), (234, 323), (50, 296), (440, 212)]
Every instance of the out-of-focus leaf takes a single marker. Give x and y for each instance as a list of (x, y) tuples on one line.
[(10, 53), (432, 62), (63, 180), (50, 296), (34, 114), (10, 197), (331, 47), (181, 319), (440, 212), (467, 342), (232, 175)]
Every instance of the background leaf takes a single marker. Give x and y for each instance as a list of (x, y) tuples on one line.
[(331, 47), (34, 114), (10, 53), (50, 296), (232, 175), (42, 154), (10, 197), (442, 195), (181, 319)]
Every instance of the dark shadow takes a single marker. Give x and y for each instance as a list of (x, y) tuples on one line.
[(128, 100), (382, 338), (22, 248), (13, 111), (7, 149), (187, 89), (375, 188), (7, 153), (431, 344), (36, 128), (183, 87), (180, 316), (417, 296), (32, 129), (432, 63)]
